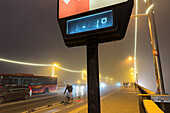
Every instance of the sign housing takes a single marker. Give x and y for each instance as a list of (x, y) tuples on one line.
[(108, 23)]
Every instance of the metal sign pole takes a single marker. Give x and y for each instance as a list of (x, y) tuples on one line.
[(93, 77), (155, 46)]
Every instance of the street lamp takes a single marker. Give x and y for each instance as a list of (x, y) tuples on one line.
[(54, 65), (84, 75), (130, 58), (78, 81)]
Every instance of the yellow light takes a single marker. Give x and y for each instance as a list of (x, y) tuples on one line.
[(78, 82), (130, 58), (75, 71), (34, 64), (132, 73), (131, 69), (147, 11), (144, 0), (24, 63), (57, 65), (84, 74), (84, 71)]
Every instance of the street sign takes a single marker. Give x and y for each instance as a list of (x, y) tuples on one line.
[(102, 20), (73, 7), (89, 22)]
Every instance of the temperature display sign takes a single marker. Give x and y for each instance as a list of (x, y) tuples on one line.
[(82, 21), (90, 22)]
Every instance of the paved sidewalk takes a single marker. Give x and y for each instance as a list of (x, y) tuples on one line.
[(124, 100)]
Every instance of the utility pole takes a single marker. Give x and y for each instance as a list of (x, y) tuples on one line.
[(155, 47)]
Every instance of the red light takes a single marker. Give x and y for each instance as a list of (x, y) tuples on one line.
[(30, 88), (79, 100)]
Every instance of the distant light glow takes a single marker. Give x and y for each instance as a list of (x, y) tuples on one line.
[(82, 87), (102, 85), (118, 84), (24, 63), (56, 65), (144, 0), (147, 11), (78, 82), (75, 71), (34, 64), (130, 58), (84, 75), (77, 89)]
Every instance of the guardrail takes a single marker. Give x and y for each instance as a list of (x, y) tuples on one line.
[(149, 102), (151, 107)]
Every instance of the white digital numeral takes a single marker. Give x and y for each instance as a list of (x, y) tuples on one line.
[(104, 20), (97, 23)]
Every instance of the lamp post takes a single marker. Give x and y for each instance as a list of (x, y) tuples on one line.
[(155, 48), (135, 67), (55, 65)]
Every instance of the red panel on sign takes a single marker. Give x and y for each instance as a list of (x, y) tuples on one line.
[(69, 7)]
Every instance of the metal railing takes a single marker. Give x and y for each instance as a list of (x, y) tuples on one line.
[(148, 101)]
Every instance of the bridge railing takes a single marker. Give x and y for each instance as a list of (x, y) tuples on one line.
[(150, 102)]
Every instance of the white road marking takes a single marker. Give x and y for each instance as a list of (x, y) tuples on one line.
[(24, 101), (43, 108), (56, 111), (69, 106)]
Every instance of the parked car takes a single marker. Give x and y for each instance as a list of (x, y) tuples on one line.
[(15, 92)]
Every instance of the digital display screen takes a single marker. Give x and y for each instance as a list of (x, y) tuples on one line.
[(73, 7), (90, 22)]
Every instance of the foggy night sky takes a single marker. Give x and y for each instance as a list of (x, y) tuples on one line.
[(29, 32)]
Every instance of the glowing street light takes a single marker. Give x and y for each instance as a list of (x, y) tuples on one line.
[(132, 73), (84, 75), (54, 65), (131, 69), (78, 81), (84, 71), (130, 58)]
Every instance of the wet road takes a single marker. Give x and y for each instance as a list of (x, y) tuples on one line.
[(40, 100)]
